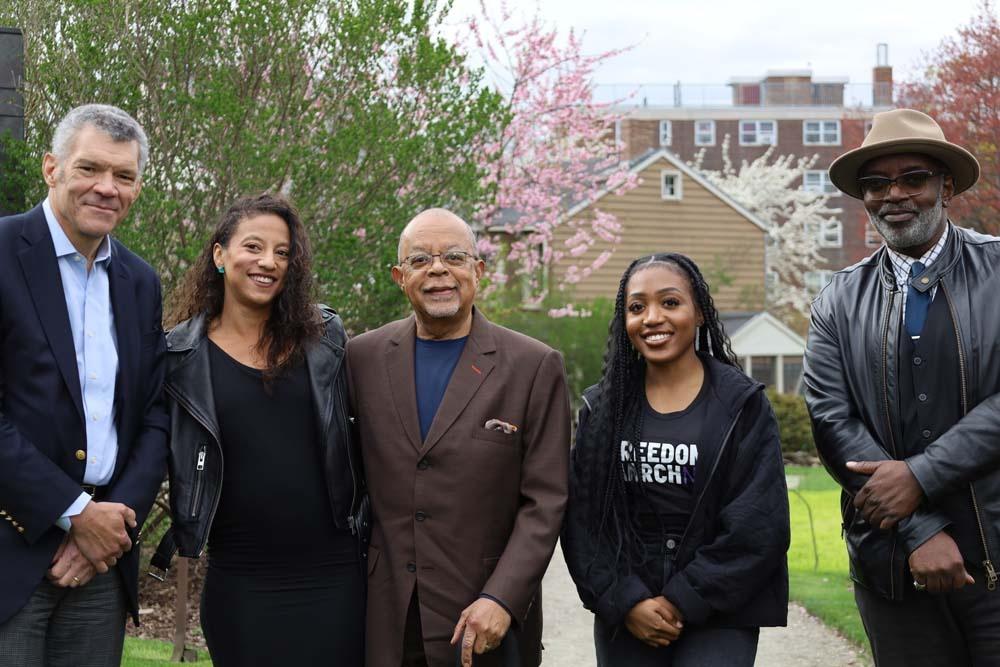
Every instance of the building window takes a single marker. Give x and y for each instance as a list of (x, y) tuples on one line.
[(829, 233), (758, 133), (764, 370), (670, 184), (666, 132), (783, 373), (872, 238), (791, 375), (821, 132), (817, 280), (704, 133), (818, 180)]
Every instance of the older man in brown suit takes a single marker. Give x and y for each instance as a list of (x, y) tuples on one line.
[(465, 435)]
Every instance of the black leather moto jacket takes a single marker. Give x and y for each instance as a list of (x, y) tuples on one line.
[(852, 393), (195, 463)]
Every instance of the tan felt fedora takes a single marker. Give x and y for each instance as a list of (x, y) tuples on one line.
[(904, 131)]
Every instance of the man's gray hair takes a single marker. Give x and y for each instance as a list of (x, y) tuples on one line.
[(111, 120)]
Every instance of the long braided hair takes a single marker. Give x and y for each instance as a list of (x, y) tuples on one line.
[(611, 509)]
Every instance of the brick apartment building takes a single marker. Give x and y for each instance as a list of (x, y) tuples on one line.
[(800, 114)]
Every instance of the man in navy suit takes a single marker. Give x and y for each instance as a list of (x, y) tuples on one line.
[(83, 430)]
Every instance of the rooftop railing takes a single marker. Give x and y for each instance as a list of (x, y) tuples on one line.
[(760, 94)]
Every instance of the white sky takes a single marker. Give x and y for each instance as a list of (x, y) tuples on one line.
[(708, 41)]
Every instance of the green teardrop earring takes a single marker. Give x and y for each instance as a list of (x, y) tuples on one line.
[(221, 269)]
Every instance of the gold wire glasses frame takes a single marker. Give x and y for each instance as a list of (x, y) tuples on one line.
[(453, 258), (911, 184)]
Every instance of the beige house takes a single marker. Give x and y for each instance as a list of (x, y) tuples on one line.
[(674, 209)]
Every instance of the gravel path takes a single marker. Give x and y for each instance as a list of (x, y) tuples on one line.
[(569, 642)]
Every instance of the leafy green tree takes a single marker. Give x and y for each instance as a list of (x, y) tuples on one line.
[(356, 109)]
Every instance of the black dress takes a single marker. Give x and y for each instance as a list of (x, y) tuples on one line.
[(284, 586)]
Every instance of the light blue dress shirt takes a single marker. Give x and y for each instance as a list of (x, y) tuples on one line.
[(91, 319)]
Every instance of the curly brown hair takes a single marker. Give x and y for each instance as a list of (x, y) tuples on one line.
[(294, 320)]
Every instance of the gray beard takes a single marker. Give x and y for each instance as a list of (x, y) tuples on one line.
[(918, 232)]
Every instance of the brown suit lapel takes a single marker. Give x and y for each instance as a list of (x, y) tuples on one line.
[(470, 372), (399, 364)]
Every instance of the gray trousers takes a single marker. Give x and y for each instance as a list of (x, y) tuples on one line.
[(71, 627), (957, 629)]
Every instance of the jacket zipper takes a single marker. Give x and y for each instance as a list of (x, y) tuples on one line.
[(708, 481), (203, 539), (888, 423), (199, 473), (991, 573), (350, 462)]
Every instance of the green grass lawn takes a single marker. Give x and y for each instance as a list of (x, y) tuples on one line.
[(150, 652), (824, 588)]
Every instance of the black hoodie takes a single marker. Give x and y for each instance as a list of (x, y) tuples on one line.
[(729, 568)]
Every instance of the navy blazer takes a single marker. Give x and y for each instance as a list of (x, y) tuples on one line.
[(41, 409)]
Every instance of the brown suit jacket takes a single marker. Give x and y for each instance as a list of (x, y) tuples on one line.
[(469, 510)]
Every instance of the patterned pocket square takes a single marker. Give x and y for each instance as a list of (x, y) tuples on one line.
[(498, 425)]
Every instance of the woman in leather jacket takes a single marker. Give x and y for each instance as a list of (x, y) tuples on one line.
[(262, 465), (677, 522)]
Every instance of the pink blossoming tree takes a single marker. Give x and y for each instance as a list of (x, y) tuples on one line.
[(553, 149)]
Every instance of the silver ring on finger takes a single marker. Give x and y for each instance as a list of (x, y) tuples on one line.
[(919, 586), (76, 580)]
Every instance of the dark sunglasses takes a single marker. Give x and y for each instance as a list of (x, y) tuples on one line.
[(911, 183)]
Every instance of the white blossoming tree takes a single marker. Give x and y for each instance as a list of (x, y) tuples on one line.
[(770, 188)]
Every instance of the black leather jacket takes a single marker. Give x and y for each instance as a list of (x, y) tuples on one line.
[(195, 463), (852, 394)]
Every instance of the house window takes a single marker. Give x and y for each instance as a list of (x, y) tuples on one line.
[(791, 372), (670, 184), (818, 180), (704, 133), (817, 280), (758, 133), (666, 132), (872, 238), (821, 132), (764, 370)]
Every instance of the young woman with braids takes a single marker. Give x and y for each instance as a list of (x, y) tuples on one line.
[(262, 464), (677, 523)]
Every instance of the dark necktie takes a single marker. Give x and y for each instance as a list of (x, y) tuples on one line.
[(917, 303)]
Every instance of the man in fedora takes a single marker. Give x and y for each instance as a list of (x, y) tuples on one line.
[(903, 385)]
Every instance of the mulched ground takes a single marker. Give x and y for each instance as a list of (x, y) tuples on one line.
[(157, 604)]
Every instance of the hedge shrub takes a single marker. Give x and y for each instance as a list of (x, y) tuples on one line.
[(793, 422)]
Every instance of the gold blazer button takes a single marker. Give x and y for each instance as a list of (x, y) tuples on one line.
[(81, 455)]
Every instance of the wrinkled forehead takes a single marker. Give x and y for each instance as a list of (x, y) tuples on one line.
[(436, 234)]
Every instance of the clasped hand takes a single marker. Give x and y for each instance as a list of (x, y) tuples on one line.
[(655, 621), (891, 494), (99, 533)]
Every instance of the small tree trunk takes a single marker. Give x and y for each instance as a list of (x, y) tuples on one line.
[(180, 610)]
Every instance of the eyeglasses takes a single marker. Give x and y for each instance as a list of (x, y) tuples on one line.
[(911, 183), (453, 258)]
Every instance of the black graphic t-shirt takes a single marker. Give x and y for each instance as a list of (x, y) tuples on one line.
[(665, 461)]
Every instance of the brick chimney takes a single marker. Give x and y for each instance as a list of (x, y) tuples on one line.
[(882, 78)]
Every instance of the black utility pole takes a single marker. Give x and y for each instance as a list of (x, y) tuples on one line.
[(11, 102)]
